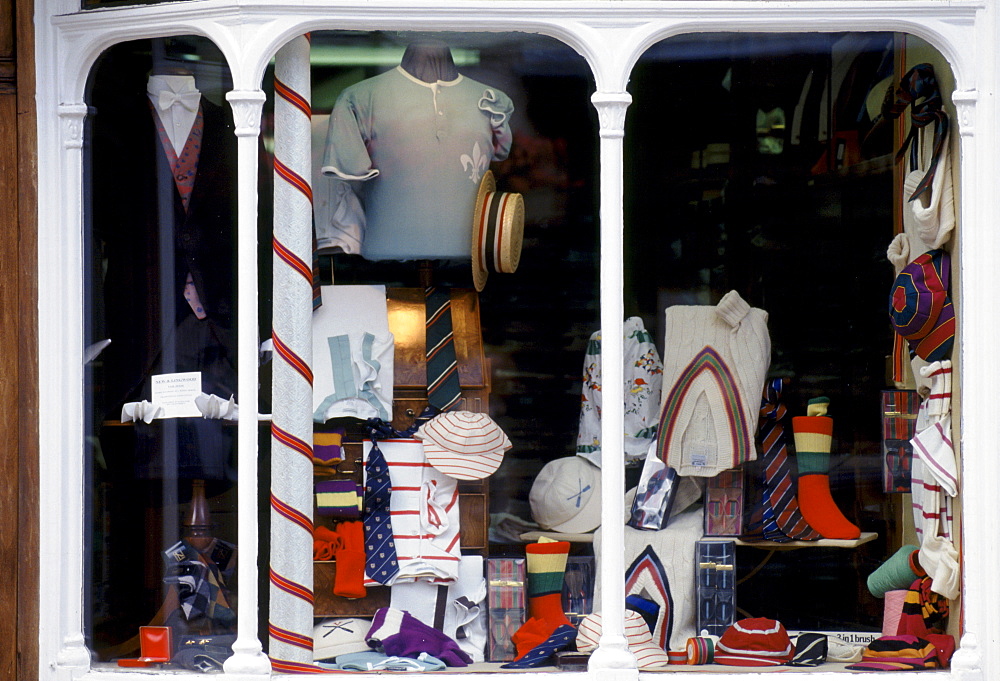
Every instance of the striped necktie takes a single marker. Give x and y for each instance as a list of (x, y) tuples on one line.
[(443, 391), (778, 513), (380, 549)]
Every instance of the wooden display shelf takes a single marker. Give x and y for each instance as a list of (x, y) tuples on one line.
[(770, 545), (818, 544)]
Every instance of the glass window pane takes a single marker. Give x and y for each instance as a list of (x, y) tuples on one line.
[(432, 113), (160, 332), (762, 166)]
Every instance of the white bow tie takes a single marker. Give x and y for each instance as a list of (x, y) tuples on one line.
[(189, 100)]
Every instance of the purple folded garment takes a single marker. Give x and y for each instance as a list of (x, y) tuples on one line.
[(399, 633)]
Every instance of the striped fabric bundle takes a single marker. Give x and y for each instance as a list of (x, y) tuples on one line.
[(424, 509), (327, 448), (339, 498), (894, 653), (924, 611), (810, 650)]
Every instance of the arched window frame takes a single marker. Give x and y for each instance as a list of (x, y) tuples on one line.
[(611, 36)]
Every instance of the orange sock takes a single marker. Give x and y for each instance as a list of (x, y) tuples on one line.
[(820, 510)]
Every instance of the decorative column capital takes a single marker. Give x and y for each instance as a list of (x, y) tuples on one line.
[(247, 105), (965, 105), (611, 107), (72, 116)]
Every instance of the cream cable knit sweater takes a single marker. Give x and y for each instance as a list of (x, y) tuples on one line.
[(714, 366)]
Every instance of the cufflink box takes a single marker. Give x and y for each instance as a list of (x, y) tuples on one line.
[(724, 504), (716, 574), (506, 601), (155, 647), (572, 661), (899, 425)]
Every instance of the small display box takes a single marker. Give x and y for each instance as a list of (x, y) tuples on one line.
[(899, 425), (506, 601), (716, 567), (724, 504)]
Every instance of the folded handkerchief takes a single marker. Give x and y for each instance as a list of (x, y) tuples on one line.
[(141, 411), (214, 407)]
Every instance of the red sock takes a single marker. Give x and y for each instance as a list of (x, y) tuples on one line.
[(820, 510), (349, 581), (530, 635)]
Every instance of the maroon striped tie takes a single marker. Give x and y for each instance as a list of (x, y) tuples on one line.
[(779, 510)]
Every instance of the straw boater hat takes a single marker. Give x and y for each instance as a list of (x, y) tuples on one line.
[(497, 231)]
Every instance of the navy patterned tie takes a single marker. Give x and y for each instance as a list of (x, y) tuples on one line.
[(540, 655), (443, 391), (380, 549)]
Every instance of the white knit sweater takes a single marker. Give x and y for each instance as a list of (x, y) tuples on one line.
[(714, 366)]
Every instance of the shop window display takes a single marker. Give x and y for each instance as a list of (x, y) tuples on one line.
[(453, 179)]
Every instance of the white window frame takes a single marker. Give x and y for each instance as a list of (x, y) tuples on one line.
[(611, 35)]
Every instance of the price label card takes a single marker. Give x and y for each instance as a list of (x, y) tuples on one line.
[(176, 393)]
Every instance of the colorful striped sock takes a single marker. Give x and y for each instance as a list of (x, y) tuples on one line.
[(546, 566), (813, 441)]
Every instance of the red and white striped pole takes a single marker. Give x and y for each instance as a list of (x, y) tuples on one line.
[(291, 570)]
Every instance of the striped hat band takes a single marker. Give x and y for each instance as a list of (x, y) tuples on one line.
[(497, 231)]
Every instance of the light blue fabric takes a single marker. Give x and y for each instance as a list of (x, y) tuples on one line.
[(344, 385), (420, 150), (373, 661)]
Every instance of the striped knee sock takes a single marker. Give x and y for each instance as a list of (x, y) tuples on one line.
[(546, 564), (813, 440)]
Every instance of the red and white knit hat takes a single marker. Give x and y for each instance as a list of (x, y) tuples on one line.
[(755, 642), (463, 445)]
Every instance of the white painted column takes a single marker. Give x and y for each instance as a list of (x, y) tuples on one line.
[(978, 281), (60, 245), (247, 657), (613, 653)]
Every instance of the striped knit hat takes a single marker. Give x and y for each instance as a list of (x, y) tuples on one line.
[(464, 445), (755, 642)]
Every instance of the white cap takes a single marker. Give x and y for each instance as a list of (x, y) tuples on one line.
[(463, 444), (340, 636), (566, 496)]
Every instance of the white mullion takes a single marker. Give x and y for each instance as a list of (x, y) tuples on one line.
[(247, 656), (613, 653)]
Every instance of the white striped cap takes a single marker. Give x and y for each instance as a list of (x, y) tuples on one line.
[(463, 444), (647, 654)]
